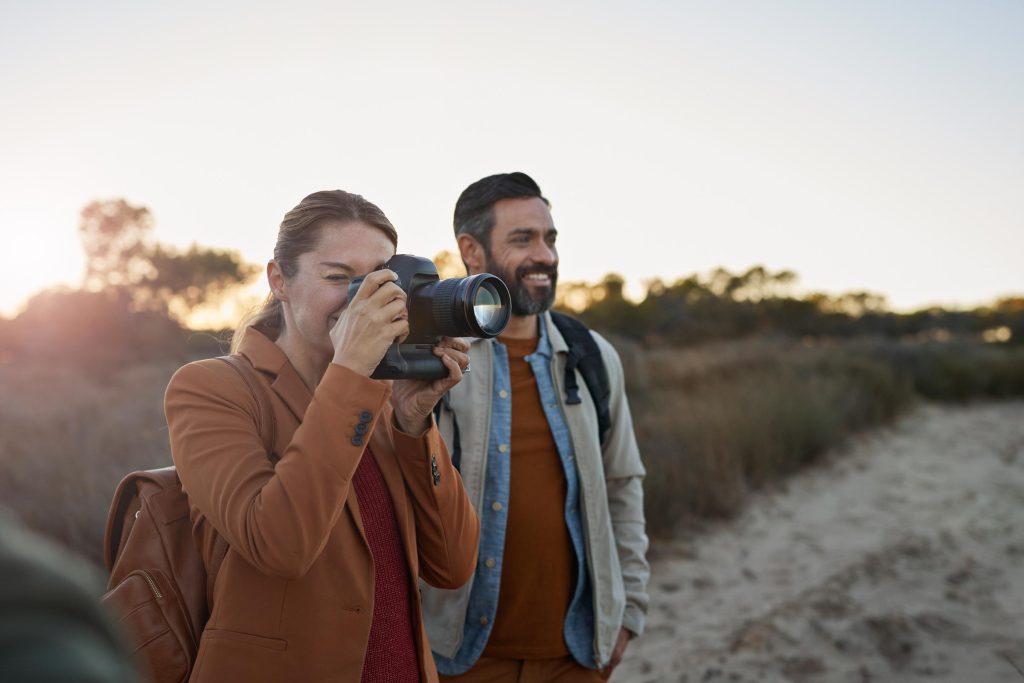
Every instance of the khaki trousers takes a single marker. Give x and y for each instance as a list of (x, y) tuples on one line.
[(489, 670)]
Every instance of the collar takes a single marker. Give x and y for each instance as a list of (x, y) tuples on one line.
[(261, 351), (267, 357)]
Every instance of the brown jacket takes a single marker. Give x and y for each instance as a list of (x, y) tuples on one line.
[(293, 599)]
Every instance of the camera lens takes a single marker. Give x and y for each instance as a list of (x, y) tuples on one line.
[(490, 314), (475, 306)]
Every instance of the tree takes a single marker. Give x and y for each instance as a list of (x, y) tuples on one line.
[(115, 236), (181, 280), (123, 259), (449, 264)]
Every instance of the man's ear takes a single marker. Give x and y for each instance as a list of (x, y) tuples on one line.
[(472, 253), (276, 280)]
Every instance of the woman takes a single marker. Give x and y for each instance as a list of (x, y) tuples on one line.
[(329, 534)]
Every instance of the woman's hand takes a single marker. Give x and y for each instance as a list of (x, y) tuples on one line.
[(414, 399), (374, 318)]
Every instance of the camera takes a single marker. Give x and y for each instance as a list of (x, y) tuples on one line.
[(474, 306)]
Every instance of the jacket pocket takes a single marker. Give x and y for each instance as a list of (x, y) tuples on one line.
[(152, 616), (245, 639)]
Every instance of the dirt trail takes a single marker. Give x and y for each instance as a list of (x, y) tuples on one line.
[(901, 559)]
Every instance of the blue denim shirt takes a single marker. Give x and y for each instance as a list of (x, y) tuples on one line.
[(483, 599)]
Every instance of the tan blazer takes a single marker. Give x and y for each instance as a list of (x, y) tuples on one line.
[(293, 599)]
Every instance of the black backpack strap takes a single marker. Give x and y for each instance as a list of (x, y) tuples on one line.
[(585, 356), (456, 444)]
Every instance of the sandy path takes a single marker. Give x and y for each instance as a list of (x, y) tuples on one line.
[(902, 559)]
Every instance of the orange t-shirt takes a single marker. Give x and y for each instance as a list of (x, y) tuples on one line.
[(539, 565)]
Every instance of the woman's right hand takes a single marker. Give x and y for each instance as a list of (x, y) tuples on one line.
[(374, 319)]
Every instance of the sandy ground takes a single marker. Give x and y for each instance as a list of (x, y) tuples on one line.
[(899, 559)]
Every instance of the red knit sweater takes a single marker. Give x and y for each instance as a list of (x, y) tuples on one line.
[(391, 650)]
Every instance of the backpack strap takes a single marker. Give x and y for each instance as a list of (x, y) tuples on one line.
[(585, 356), (124, 495), (266, 422), (267, 426)]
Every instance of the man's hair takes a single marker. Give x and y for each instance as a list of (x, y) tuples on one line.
[(474, 211)]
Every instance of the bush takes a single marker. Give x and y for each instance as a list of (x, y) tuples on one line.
[(67, 438), (714, 423), (89, 330)]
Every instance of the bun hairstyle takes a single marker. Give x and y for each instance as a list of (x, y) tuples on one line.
[(300, 233)]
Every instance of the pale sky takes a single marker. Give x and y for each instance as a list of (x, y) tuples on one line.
[(865, 145)]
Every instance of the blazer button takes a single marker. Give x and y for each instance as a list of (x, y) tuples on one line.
[(361, 428), (357, 440), (365, 416)]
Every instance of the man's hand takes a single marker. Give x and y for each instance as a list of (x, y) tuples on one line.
[(414, 399), (620, 649)]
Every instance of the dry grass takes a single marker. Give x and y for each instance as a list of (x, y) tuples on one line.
[(713, 423), (67, 438)]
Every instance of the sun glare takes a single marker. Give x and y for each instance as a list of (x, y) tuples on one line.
[(36, 259)]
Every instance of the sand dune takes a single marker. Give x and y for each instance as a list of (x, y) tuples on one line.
[(901, 559)]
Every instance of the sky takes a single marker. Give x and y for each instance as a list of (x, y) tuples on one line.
[(874, 145)]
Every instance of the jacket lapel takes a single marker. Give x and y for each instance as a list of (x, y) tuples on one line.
[(292, 391), (267, 357), (270, 359)]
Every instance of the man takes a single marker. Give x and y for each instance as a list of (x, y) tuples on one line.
[(560, 583)]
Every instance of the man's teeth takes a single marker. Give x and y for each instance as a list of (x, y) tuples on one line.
[(540, 277)]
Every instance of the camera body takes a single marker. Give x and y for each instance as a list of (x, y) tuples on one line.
[(475, 306)]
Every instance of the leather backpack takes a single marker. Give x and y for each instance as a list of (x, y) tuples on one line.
[(160, 590)]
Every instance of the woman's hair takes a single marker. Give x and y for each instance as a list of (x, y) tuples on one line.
[(300, 233)]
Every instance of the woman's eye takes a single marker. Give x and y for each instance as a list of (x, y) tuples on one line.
[(337, 278)]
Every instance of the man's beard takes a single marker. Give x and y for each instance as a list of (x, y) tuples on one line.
[(523, 302)]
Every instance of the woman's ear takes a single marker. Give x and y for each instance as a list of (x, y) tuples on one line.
[(472, 253), (276, 280)]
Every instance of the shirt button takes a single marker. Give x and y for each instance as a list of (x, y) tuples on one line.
[(502, 447), (484, 621), (490, 563), (503, 393), (496, 506)]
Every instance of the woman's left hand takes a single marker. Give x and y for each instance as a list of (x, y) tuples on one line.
[(414, 399)]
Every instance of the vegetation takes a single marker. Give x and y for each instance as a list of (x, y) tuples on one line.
[(134, 297), (723, 305), (716, 422), (734, 381), (67, 437)]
